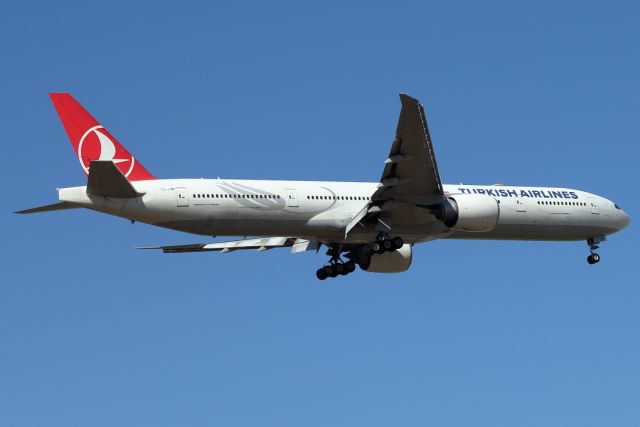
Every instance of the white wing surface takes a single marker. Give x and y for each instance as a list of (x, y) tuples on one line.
[(259, 244)]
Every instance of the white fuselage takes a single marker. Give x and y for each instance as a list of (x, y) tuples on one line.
[(321, 210)]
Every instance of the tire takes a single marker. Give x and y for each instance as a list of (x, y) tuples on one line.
[(340, 269), (375, 248), (328, 271), (595, 258), (387, 246), (397, 242), (320, 274), (350, 266), (590, 259), (370, 250)]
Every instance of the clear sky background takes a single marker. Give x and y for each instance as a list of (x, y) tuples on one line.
[(95, 333)]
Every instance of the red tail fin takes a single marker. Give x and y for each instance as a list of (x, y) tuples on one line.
[(93, 142)]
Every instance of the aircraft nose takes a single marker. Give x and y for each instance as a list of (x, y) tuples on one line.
[(623, 220)]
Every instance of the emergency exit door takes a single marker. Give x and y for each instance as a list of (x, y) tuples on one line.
[(292, 199), (183, 197)]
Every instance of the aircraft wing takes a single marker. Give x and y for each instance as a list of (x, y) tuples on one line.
[(411, 172), (410, 181), (259, 244)]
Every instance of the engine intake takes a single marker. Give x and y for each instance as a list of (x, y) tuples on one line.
[(470, 212)]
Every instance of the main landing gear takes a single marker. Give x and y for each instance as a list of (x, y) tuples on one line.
[(384, 243), (336, 267), (356, 256), (593, 243)]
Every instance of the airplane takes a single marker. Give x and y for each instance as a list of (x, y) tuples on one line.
[(371, 225)]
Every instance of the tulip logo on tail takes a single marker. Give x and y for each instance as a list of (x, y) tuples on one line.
[(96, 144)]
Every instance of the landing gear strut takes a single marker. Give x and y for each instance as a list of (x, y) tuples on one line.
[(336, 267), (594, 243), (384, 243)]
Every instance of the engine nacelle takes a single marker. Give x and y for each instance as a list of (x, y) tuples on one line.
[(471, 212), (389, 262)]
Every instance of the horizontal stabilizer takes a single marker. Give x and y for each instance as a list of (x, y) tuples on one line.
[(105, 179), (47, 208)]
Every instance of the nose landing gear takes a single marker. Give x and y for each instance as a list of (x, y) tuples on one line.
[(594, 243)]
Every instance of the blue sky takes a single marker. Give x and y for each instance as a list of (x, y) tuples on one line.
[(93, 332)]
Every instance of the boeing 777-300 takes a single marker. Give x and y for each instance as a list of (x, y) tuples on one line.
[(373, 225)]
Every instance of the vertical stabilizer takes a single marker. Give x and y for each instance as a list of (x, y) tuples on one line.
[(91, 141)]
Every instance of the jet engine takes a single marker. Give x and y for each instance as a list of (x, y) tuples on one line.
[(387, 262), (470, 212)]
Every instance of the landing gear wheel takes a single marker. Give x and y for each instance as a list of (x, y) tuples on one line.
[(387, 245), (320, 274), (328, 270), (339, 268), (373, 248), (350, 266), (593, 258), (397, 242)]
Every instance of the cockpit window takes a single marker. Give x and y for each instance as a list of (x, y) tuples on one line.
[(617, 207)]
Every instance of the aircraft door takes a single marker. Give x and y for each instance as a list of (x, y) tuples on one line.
[(520, 205), (292, 199), (594, 206), (183, 197)]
